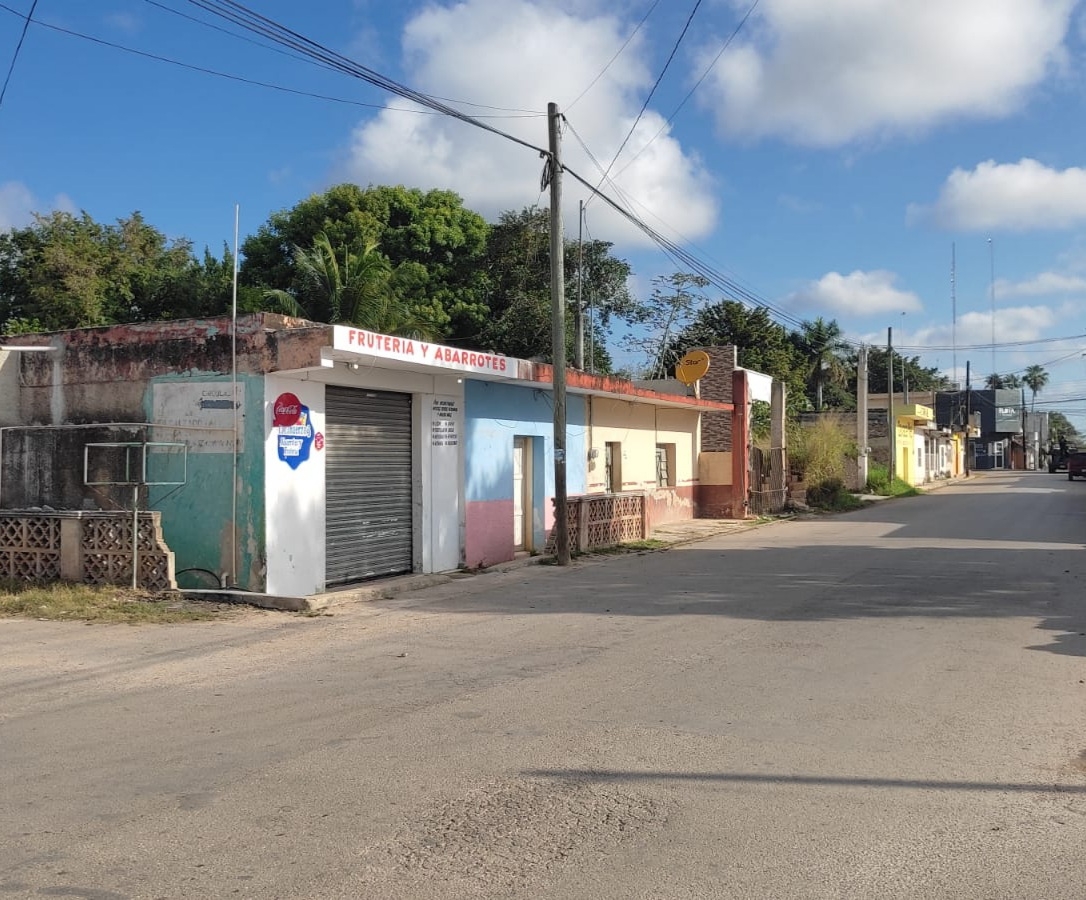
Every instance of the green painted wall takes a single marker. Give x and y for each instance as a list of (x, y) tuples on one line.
[(196, 517)]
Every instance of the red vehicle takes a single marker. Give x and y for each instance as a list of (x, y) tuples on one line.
[(1076, 465)]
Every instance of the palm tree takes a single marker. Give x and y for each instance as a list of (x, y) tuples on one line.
[(993, 382), (822, 342), (1036, 378), (349, 287)]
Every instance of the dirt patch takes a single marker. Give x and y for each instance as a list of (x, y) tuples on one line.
[(105, 604), (508, 834)]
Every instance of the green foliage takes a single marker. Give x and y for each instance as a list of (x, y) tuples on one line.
[(831, 494), (434, 245), (762, 344), (518, 285), (1059, 424), (357, 287), (1036, 379), (664, 318), (818, 452), (879, 482), (919, 378), (822, 344), (995, 381), (66, 271)]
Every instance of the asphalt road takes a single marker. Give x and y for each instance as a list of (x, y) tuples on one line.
[(885, 704)]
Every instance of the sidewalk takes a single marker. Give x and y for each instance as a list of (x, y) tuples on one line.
[(672, 534)]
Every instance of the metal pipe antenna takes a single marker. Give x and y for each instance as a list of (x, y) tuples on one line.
[(234, 380), (954, 312), (558, 336), (578, 312), (891, 423), (991, 263)]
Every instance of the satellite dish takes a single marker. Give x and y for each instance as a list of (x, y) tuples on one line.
[(692, 367)]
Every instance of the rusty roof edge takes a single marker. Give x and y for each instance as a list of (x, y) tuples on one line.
[(620, 388)]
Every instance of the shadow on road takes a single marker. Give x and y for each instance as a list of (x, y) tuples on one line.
[(920, 557), (612, 775)]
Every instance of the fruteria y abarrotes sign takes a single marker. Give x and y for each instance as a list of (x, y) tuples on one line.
[(357, 340)]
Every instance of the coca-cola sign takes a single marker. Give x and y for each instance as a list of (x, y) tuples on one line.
[(286, 411)]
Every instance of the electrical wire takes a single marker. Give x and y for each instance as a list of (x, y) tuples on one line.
[(690, 93), (18, 47), (280, 34), (517, 113), (618, 53), (228, 76), (648, 99)]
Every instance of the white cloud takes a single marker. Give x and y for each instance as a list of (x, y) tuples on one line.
[(18, 205), (1047, 284), (856, 294), (826, 73), (502, 53), (974, 329), (1020, 196)]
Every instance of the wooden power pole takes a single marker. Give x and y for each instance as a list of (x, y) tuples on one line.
[(558, 337)]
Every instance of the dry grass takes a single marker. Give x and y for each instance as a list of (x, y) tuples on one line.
[(114, 605)]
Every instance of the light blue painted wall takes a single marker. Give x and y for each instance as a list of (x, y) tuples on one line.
[(495, 413)]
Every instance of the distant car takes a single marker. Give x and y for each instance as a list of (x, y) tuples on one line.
[(1076, 466)]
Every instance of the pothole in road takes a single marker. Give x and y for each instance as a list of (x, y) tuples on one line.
[(507, 833)]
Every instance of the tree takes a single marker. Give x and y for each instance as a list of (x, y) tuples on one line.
[(65, 271), (664, 317), (1059, 424), (822, 343), (762, 345), (518, 289), (355, 287), (434, 244), (1036, 378), (918, 377), (995, 382)]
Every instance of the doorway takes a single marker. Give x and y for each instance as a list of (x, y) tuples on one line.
[(522, 494)]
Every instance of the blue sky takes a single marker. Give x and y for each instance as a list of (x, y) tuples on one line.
[(828, 159)]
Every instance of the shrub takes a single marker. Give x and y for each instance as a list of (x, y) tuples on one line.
[(878, 479), (819, 451), (831, 494)]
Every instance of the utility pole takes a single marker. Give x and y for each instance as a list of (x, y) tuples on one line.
[(578, 312), (968, 417), (891, 422), (558, 337)]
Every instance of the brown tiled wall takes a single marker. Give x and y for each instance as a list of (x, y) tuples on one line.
[(716, 427)]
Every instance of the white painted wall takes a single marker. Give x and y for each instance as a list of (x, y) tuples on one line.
[(294, 499)]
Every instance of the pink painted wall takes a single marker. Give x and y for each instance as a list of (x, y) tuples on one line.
[(489, 538)]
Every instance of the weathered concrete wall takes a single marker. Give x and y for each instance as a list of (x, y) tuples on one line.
[(43, 467), (101, 374), (9, 388)]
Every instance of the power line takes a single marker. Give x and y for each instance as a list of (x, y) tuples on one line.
[(18, 47), (697, 84), (618, 53), (280, 34), (516, 113), (226, 75), (656, 84)]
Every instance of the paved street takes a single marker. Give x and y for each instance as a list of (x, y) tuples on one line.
[(889, 703)]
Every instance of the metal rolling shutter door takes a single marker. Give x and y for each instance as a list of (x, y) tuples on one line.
[(368, 529)]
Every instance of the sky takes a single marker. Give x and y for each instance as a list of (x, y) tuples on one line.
[(917, 165)]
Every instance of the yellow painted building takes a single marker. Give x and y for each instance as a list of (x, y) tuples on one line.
[(637, 447)]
